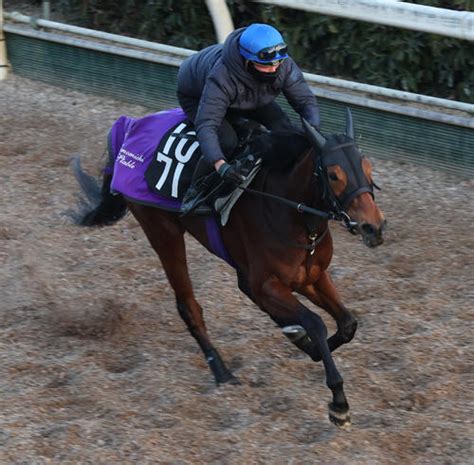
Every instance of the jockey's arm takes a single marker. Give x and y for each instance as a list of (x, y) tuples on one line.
[(218, 164), (212, 109)]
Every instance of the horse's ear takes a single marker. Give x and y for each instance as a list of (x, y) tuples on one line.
[(349, 124), (314, 135)]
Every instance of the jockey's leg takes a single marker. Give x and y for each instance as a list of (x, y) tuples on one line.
[(205, 177), (272, 117), (203, 169)]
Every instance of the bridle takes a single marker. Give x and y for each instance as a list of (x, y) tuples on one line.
[(334, 151), (339, 204)]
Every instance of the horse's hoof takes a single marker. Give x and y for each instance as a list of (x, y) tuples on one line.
[(341, 418), (234, 381), (349, 329), (228, 378)]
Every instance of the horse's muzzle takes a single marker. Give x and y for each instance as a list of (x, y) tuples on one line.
[(372, 235)]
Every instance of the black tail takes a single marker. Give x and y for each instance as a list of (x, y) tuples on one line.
[(99, 207)]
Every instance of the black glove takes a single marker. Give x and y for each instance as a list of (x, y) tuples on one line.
[(231, 173)]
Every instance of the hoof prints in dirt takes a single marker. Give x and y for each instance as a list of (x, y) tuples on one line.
[(95, 321), (121, 363), (98, 368)]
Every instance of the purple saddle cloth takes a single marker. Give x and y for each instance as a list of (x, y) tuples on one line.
[(152, 160), (133, 147)]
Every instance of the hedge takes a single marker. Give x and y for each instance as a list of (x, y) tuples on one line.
[(418, 62)]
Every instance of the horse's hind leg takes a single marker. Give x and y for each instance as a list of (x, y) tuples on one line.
[(166, 236)]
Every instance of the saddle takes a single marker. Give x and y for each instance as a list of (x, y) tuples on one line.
[(153, 159), (224, 204), (209, 194)]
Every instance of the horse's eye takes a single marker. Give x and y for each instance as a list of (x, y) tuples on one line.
[(333, 176)]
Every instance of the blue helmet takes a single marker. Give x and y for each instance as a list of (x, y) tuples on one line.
[(263, 44)]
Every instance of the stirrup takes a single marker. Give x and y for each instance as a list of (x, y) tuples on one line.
[(195, 196), (191, 198)]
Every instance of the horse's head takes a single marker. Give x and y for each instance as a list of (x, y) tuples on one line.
[(346, 177)]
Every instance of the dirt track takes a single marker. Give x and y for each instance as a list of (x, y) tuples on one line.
[(98, 368)]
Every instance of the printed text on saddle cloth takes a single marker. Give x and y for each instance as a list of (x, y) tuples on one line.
[(170, 172)]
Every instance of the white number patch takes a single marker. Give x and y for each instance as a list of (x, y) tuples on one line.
[(175, 159)]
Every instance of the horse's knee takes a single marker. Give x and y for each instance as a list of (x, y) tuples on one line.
[(348, 329), (313, 323)]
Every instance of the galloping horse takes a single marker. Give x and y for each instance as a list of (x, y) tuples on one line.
[(277, 240)]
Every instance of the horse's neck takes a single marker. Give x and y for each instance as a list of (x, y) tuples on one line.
[(298, 185)]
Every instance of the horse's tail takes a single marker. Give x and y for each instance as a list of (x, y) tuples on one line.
[(98, 206)]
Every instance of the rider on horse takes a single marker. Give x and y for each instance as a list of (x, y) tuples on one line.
[(239, 79)]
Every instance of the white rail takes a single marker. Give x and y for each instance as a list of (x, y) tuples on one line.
[(452, 23), (43, 23), (175, 55), (390, 93)]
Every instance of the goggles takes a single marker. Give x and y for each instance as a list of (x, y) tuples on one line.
[(270, 64), (271, 54)]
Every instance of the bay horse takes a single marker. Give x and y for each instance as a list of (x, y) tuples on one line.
[(277, 238)]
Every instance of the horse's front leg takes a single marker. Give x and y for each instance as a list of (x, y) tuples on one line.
[(285, 309), (324, 294)]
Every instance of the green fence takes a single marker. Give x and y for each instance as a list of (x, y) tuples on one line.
[(153, 85)]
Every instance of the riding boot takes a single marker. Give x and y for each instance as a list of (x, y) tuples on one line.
[(194, 193), (202, 180)]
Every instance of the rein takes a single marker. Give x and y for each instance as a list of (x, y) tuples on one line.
[(338, 207), (340, 215), (298, 206)]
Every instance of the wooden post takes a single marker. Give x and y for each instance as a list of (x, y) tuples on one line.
[(3, 48), (221, 18), (46, 10)]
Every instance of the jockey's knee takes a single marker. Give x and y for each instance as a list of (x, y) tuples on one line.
[(282, 125)]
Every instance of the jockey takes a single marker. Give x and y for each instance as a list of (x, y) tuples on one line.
[(240, 78)]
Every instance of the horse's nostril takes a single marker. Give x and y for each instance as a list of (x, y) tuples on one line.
[(368, 229)]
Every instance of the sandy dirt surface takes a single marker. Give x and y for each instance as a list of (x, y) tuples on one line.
[(97, 367)]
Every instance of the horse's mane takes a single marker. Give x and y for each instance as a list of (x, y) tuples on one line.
[(279, 150)]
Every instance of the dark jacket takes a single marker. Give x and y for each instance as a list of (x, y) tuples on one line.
[(218, 79)]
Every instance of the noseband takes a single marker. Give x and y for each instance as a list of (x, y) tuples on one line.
[(342, 154)]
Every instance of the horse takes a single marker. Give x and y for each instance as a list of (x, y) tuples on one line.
[(277, 239)]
